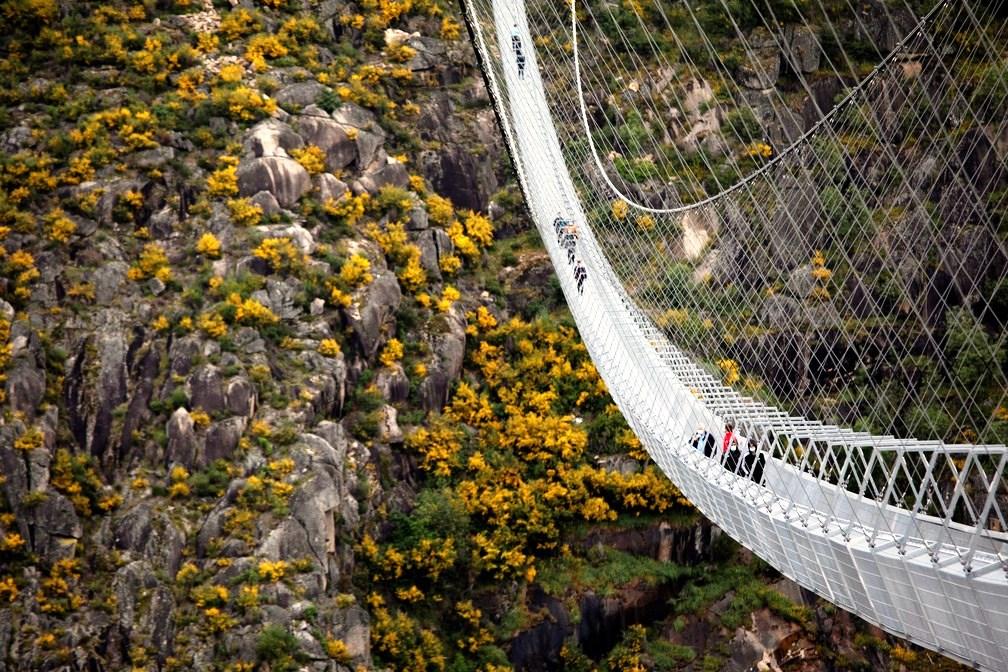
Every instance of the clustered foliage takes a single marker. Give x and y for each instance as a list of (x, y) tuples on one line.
[(509, 474)]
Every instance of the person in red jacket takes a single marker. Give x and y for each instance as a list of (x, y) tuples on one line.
[(729, 438), (730, 453)]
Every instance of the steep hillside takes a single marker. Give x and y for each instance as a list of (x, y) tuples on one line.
[(286, 383)]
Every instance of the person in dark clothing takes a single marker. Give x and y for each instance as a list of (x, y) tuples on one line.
[(757, 462), (569, 242), (730, 453), (520, 60), (558, 226), (580, 274), (704, 440)]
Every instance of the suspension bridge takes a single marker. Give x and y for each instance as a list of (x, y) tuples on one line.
[(835, 292)]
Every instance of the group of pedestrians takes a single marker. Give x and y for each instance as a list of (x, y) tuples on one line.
[(567, 237), (519, 53), (736, 453)]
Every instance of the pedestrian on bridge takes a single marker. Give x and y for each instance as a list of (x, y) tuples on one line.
[(580, 275), (520, 60), (703, 440), (569, 241), (558, 226)]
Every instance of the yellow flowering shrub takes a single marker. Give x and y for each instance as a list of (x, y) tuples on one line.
[(153, 263), (250, 311), (280, 253), (479, 229), (244, 212), (311, 158), (263, 46), (347, 207), (231, 73), (619, 210), (440, 210), (450, 29), (243, 103), (224, 180), (271, 571), (61, 227), (392, 353), (356, 271), (209, 246), (448, 297), (329, 347), (237, 23), (213, 325), (729, 371)]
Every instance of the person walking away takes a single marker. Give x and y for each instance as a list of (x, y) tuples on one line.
[(558, 226), (703, 440), (570, 242), (727, 444), (515, 39), (520, 58), (758, 463), (580, 274)]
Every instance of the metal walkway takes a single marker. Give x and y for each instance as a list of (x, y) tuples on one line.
[(865, 521)]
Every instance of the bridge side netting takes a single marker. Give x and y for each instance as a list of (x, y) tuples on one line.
[(842, 263)]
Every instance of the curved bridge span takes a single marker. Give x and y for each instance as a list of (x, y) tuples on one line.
[(905, 533)]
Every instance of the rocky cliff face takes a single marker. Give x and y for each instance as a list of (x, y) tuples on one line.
[(213, 221)]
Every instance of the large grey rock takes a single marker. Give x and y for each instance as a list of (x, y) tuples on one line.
[(762, 65), (801, 48), (793, 232), (388, 426), (271, 137), (329, 187), (392, 173), (280, 296), (206, 391), (143, 533), (430, 53), (56, 527), (283, 177), (698, 98), (25, 386), (267, 202), (183, 353), (295, 96), (302, 238), (222, 439), (434, 244), (96, 385), (449, 350), (331, 138), (240, 397), (108, 278), (393, 383), (182, 442), (375, 314), (370, 135), (130, 582)]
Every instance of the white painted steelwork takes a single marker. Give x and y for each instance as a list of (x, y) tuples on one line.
[(860, 519)]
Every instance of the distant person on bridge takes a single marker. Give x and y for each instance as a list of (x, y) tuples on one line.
[(516, 44), (754, 462), (729, 447), (558, 226), (569, 241), (703, 440), (580, 274)]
